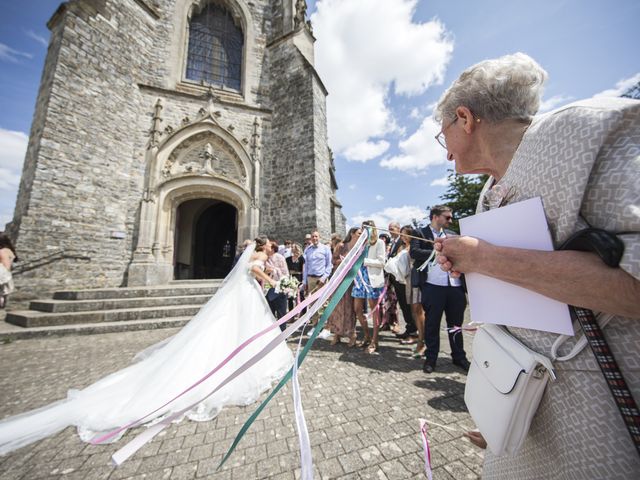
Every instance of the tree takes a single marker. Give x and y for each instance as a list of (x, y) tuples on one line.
[(462, 195)]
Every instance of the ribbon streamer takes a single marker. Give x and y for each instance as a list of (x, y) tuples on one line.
[(306, 459), (354, 267), (427, 450), (130, 448)]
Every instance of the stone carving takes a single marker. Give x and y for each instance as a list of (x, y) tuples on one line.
[(155, 132), (255, 140), (301, 13), (205, 154)]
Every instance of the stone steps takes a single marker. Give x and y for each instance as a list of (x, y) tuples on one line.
[(105, 310), (33, 318), (177, 289), (63, 306), (7, 333)]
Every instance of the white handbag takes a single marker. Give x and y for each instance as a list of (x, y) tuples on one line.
[(504, 387)]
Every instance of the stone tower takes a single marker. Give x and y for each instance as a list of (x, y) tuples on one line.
[(165, 133)]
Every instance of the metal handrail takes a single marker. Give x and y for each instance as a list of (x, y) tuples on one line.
[(58, 255)]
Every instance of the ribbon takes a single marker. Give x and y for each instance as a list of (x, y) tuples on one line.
[(432, 257), (354, 266), (427, 450), (129, 449), (306, 460), (456, 330), (380, 299)]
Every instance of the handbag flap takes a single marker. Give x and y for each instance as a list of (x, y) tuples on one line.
[(495, 363)]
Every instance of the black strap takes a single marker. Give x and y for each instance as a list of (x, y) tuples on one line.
[(609, 248), (612, 374)]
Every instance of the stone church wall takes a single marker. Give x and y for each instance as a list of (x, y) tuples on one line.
[(77, 218), (85, 183)]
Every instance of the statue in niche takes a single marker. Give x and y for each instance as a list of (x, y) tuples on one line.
[(211, 162), (301, 13)]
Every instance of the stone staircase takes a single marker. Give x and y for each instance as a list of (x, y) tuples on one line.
[(106, 310)]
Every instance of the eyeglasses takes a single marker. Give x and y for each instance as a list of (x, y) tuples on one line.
[(440, 136), (448, 218)]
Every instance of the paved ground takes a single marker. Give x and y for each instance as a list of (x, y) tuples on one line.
[(362, 412)]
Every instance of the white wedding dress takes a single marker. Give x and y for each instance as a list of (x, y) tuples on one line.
[(236, 312)]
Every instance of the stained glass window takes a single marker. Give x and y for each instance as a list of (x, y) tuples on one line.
[(215, 48)]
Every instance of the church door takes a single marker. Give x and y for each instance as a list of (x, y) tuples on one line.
[(213, 230)]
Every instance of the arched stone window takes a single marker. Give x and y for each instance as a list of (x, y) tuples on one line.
[(215, 47)]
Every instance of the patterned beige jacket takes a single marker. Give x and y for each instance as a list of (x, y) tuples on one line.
[(584, 162)]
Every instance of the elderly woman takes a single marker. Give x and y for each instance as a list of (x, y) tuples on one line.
[(582, 160)]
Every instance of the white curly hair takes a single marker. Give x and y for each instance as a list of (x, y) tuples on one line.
[(508, 87)]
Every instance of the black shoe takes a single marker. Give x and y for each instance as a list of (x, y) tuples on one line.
[(428, 367), (463, 363)]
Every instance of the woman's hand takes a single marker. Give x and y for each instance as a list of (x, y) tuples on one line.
[(460, 254)]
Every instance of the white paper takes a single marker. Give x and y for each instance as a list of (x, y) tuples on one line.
[(520, 225)]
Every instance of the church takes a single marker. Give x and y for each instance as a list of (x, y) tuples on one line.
[(165, 133)]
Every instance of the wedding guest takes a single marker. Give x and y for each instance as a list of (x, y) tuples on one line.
[(335, 241), (295, 264), (582, 160), (413, 292), (7, 257), (307, 241), (441, 293), (276, 268), (368, 286), (342, 322), (285, 249), (397, 244), (317, 260)]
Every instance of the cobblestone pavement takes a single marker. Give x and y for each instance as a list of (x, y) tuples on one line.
[(362, 411)]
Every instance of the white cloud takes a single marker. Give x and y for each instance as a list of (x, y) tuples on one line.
[(621, 87), (13, 146), (440, 182), (9, 54), (553, 102), (415, 113), (420, 151), (38, 38), (353, 186), (379, 197), (364, 151), (366, 47), (403, 215)]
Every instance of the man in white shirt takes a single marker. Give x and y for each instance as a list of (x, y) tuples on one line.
[(441, 293)]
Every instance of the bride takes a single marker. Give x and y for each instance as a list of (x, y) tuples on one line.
[(237, 311)]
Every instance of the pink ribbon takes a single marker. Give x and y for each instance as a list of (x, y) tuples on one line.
[(456, 330), (380, 298), (324, 292), (427, 450)]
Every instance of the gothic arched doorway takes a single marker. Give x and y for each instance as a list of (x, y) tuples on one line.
[(206, 236)]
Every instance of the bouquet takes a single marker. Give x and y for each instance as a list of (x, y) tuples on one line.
[(288, 285)]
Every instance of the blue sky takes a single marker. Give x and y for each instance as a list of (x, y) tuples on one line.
[(385, 63)]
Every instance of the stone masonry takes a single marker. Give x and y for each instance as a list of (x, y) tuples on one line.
[(103, 175)]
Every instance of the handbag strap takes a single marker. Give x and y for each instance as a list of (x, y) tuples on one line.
[(612, 374)]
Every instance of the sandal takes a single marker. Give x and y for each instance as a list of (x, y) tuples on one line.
[(372, 348), (364, 343), (335, 340), (419, 351), (352, 341)]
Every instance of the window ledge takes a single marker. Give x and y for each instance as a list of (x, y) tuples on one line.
[(224, 93)]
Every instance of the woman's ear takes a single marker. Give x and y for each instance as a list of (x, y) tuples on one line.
[(467, 118)]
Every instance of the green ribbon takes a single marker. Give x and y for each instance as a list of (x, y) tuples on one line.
[(337, 296)]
